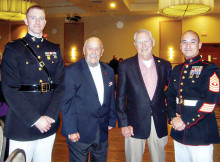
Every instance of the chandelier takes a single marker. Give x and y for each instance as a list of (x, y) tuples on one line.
[(14, 10), (185, 8)]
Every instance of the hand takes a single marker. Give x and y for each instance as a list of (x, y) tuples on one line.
[(74, 137), (109, 127), (49, 119), (44, 123), (127, 131), (178, 123)]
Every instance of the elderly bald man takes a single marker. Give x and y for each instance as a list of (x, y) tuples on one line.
[(88, 108)]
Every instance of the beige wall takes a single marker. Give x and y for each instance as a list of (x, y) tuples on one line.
[(116, 41), (55, 31), (120, 41), (206, 23)]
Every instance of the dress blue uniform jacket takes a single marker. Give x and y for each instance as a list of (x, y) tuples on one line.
[(19, 67), (134, 107), (195, 79), (81, 109)]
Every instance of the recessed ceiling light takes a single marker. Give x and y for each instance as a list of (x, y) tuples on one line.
[(112, 5)]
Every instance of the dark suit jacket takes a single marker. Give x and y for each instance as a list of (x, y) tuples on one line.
[(134, 107), (25, 108), (81, 109)]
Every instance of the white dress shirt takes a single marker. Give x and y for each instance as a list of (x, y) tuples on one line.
[(97, 77)]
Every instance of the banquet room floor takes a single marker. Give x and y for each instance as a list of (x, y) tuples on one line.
[(116, 146)]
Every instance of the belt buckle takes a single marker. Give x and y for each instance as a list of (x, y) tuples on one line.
[(42, 64), (43, 87), (181, 102)]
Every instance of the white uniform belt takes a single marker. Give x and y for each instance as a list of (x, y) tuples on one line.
[(186, 102)]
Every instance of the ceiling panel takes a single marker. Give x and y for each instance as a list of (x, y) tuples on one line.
[(60, 8)]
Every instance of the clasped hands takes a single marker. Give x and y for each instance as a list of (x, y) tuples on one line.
[(177, 123), (44, 123)]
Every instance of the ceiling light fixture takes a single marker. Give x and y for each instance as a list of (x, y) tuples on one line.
[(112, 5), (185, 8), (14, 10)]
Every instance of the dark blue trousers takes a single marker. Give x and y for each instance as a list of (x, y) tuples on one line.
[(79, 152)]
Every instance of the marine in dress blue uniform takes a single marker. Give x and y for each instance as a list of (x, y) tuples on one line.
[(193, 93), (27, 89)]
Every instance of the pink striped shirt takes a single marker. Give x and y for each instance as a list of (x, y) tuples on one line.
[(149, 76)]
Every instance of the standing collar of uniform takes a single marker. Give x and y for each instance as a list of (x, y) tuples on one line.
[(34, 39), (193, 60)]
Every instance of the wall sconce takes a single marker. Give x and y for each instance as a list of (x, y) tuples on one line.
[(204, 34), (73, 54), (171, 53), (23, 33), (209, 58)]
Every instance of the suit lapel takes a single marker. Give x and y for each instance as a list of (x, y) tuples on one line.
[(105, 80), (159, 76), (137, 70), (88, 76)]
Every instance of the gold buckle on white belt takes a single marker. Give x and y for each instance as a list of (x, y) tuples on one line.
[(185, 102)]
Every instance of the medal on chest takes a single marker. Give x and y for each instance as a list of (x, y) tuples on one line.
[(195, 70), (49, 54)]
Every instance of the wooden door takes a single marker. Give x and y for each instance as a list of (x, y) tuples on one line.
[(73, 42)]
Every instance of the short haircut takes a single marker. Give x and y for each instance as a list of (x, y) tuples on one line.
[(34, 7), (191, 31), (143, 30), (93, 38)]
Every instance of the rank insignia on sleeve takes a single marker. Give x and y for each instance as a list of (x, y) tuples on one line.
[(207, 108), (214, 83), (195, 70)]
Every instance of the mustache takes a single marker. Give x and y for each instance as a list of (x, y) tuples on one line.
[(93, 56)]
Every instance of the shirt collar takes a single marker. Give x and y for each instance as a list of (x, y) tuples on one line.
[(142, 65)]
